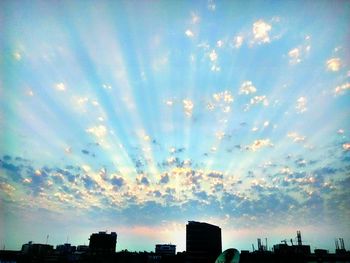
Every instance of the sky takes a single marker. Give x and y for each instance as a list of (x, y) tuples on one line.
[(138, 116)]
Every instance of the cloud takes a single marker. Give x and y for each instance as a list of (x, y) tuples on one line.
[(60, 87), (213, 55), (189, 33), (296, 137), (17, 56), (258, 144), (142, 180), (194, 18), (340, 90), (164, 178), (247, 87), (211, 5), (261, 31), (294, 55), (117, 181), (224, 96), (333, 64), (99, 131), (259, 99), (7, 188), (238, 41), (301, 105), (346, 146), (188, 107)]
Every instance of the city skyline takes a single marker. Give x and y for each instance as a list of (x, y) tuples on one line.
[(136, 116)]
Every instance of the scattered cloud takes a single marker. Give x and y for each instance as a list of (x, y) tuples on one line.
[(238, 41), (99, 131), (340, 90), (259, 99), (296, 137), (188, 107), (189, 33), (261, 31), (247, 87), (301, 105), (294, 55), (333, 64), (195, 19), (258, 144), (346, 146), (213, 55), (60, 86)]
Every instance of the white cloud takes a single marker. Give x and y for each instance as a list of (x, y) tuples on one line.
[(238, 41), (188, 107), (215, 68), (213, 56), (301, 105), (294, 55), (169, 102), (258, 144), (219, 43), (99, 131), (340, 131), (334, 64), (225, 96), (346, 146), (247, 87), (189, 33), (60, 87), (195, 18), (339, 90), (261, 31), (296, 137), (259, 99)]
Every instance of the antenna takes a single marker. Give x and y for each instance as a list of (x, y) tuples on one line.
[(342, 243), (336, 244), (253, 247), (47, 238), (266, 243), (259, 244), (299, 238)]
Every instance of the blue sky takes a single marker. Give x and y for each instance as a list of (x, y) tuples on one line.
[(136, 116)]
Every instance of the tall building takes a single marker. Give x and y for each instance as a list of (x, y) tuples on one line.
[(203, 242), (103, 243)]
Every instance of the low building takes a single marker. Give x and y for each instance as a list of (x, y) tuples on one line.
[(165, 249)]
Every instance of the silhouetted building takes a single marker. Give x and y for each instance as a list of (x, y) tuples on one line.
[(165, 249), (203, 242), (65, 248), (82, 248), (293, 249), (103, 243), (36, 249)]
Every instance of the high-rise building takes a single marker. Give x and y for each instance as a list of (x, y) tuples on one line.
[(203, 242), (102, 242)]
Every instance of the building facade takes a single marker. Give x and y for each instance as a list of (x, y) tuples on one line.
[(103, 243), (203, 242)]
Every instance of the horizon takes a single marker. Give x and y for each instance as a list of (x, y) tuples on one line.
[(271, 243), (134, 116)]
